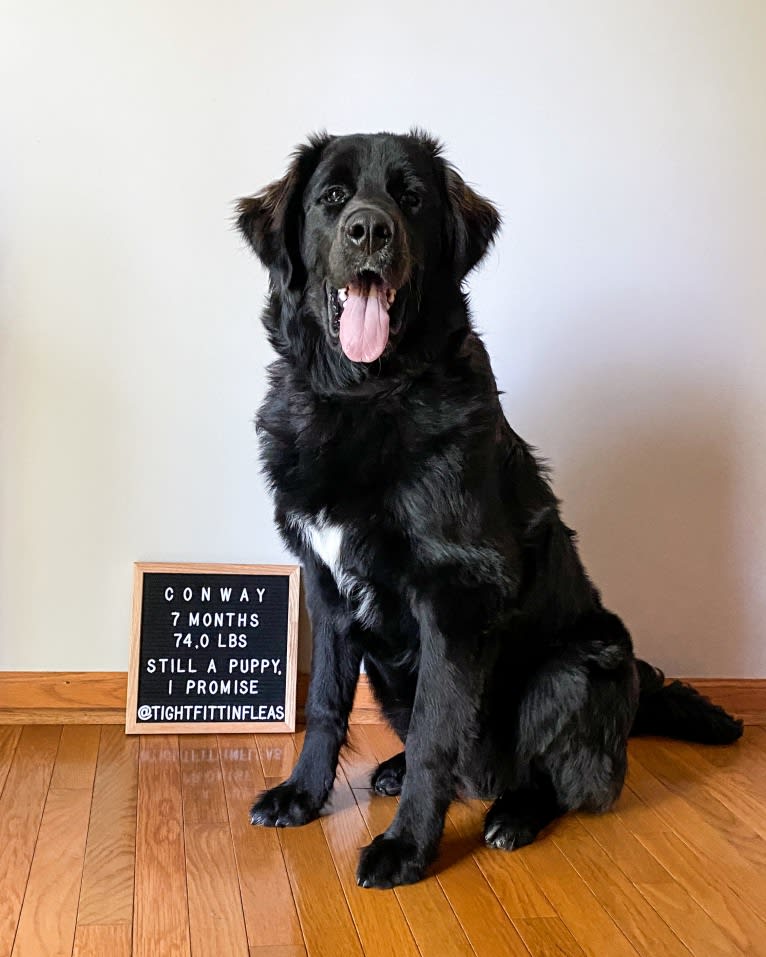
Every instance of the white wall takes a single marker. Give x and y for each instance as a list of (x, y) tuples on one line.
[(625, 306)]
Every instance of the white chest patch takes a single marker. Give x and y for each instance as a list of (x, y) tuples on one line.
[(326, 541)]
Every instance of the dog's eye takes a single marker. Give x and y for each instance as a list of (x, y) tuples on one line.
[(409, 200), (335, 196)]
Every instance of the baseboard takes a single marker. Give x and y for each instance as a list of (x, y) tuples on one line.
[(98, 697)]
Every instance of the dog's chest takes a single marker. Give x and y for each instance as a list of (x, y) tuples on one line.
[(330, 543)]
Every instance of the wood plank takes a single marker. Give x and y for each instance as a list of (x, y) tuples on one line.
[(161, 917), (102, 940), (548, 937), (721, 855), (433, 923), (9, 738), (517, 891), (575, 902), (637, 920), (633, 859), (659, 758), (743, 793), (507, 875), (486, 925), (277, 753), (202, 780), (106, 896), (474, 904), (379, 921), (745, 928), (21, 810), (216, 920), (688, 920), (271, 918), (49, 913), (283, 950), (748, 754), (76, 759), (326, 922), (319, 899)]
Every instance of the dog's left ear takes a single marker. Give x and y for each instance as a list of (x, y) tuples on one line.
[(473, 222), (270, 220)]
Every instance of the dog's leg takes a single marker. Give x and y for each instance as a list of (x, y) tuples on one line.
[(573, 725), (443, 718), (334, 675)]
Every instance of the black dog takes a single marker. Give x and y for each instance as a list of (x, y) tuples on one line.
[(431, 540)]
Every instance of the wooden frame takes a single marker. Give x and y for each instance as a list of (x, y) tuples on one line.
[(291, 572)]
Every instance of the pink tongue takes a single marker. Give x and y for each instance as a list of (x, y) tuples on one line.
[(364, 323)]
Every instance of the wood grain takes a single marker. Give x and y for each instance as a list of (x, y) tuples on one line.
[(548, 937), (380, 923), (21, 810), (106, 897), (638, 921), (161, 914), (661, 760), (49, 914), (62, 690), (431, 919), (326, 922), (271, 918), (216, 920), (9, 738), (76, 759), (666, 873), (102, 940), (575, 902), (486, 925), (741, 924)]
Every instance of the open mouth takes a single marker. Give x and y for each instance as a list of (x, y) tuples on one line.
[(360, 315)]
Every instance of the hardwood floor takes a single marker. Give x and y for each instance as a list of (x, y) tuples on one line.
[(113, 846)]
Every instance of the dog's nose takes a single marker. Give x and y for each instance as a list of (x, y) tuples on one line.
[(369, 229)]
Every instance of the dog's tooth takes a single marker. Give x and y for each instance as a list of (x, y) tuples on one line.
[(342, 295)]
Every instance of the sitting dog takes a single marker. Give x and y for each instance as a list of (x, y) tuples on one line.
[(432, 543)]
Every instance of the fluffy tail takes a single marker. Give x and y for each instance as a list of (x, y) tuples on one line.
[(676, 710)]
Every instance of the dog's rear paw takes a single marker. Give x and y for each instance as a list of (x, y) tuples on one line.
[(388, 777), (508, 833), (389, 862), (285, 806)]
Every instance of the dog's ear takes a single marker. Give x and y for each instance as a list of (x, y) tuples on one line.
[(270, 220), (471, 221), (472, 224)]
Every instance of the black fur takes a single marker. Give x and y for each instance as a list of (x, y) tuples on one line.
[(445, 565)]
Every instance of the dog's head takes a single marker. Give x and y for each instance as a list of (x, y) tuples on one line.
[(361, 232)]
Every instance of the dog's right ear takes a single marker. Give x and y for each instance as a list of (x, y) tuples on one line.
[(270, 220)]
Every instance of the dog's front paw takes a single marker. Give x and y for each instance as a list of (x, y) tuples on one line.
[(388, 777), (285, 806), (388, 862)]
